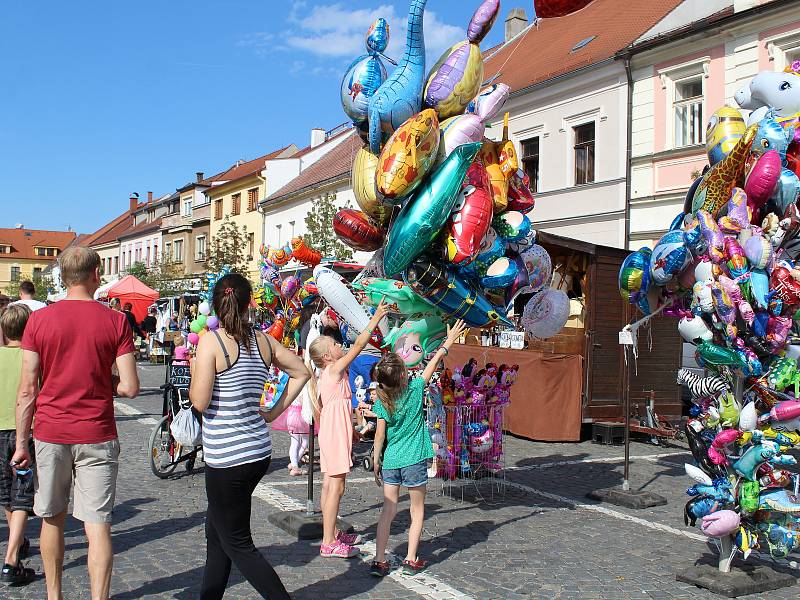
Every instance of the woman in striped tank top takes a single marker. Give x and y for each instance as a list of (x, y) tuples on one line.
[(227, 379)]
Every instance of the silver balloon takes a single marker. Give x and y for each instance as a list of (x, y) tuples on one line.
[(546, 313), (540, 269)]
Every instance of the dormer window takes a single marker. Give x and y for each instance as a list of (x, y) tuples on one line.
[(44, 251), (5, 249)]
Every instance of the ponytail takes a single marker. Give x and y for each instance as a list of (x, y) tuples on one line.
[(232, 295)]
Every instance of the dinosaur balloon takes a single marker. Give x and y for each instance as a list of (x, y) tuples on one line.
[(366, 73), (426, 213), (400, 97), (399, 297)]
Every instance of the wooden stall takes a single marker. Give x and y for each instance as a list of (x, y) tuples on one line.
[(547, 403)]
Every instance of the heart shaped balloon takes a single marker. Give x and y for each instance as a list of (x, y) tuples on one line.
[(784, 286)]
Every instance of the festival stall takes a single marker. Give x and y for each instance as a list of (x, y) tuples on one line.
[(578, 375), (130, 289)]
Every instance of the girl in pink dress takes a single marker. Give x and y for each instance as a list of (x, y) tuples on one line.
[(336, 431)]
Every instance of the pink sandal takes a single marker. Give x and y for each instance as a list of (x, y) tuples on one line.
[(338, 550)]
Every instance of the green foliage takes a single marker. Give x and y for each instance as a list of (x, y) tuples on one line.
[(43, 283), (228, 248), (320, 236), (166, 277)]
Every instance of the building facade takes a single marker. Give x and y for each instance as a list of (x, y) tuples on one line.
[(683, 70), (142, 242), (568, 112), (25, 254), (186, 228), (286, 209)]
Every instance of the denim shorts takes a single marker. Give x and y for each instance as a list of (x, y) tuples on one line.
[(412, 476), (16, 493)]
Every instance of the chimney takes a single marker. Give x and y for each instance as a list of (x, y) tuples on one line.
[(516, 22), (134, 202), (149, 197), (199, 175), (317, 137)]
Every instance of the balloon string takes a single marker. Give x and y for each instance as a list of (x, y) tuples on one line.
[(498, 72)]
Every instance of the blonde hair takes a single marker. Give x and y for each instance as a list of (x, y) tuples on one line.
[(78, 264), (315, 357), (13, 320), (391, 376)]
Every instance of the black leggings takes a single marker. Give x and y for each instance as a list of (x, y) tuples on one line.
[(230, 495)]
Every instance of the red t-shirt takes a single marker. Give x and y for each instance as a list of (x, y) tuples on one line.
[(77, 342)]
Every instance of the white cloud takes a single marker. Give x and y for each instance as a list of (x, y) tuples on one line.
[(334, 31)]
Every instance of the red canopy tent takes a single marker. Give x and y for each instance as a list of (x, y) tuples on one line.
[(130, 289)]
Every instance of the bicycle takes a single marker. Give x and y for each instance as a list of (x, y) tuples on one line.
[(660, 431), (166, 453)]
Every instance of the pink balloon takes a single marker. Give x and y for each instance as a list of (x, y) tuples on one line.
[(720, 523), (761, 179), (193, 338)]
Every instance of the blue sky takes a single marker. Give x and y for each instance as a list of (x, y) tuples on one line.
[(100, 99)]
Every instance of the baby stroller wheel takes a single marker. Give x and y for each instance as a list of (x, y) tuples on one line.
[(367, 463)]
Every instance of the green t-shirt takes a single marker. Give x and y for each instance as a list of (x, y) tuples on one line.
[(10, 374), (407, 439)]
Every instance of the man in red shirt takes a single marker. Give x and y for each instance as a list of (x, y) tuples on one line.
[(70, 347)]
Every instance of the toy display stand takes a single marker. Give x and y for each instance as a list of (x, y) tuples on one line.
[(470, 468), (723, 578)]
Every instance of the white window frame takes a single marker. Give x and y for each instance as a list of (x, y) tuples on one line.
[(168, 250), (568, 125), (675, 74), (783, 48), (178, 244), (186, 206), (197, 241)]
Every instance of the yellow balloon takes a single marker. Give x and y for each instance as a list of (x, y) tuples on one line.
[(725, 128), (408, 156), (363, 178)]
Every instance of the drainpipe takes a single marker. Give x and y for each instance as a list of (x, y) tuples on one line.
[(628, 151), (263, 211)]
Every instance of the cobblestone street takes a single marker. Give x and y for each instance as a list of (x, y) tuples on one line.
[(540, 538)]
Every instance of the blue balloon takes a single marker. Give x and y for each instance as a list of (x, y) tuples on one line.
[(786, 191), (670, 257), (759, 285)]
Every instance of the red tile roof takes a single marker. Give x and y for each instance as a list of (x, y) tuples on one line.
[(24, 242), (238, 171), (544, 51), (142, 228), (335, 163), (111, 231)]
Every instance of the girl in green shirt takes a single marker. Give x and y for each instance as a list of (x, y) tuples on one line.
[(404, 461)]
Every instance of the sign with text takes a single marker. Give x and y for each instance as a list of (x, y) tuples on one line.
[(180, 376), (512, 339)]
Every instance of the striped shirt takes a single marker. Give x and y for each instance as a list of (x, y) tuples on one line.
[(233, 431)]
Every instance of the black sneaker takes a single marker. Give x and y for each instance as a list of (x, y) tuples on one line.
[(379, 569), (24, 550), (19, 575)]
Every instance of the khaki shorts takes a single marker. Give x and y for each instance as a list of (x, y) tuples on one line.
[(94, 468)]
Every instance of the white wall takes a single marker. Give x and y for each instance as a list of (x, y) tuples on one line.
[(593, 212), (296, 209)]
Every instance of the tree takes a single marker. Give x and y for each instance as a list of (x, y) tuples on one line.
[(320, 236), (228, 248), (42, 282), (166, 277)]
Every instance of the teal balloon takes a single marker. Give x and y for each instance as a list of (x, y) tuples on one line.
[(427, 212)]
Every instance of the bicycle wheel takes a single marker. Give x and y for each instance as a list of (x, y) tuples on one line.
[(162, 450)]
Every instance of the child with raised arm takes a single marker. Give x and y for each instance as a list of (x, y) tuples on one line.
[(336, 431), (404, 461)]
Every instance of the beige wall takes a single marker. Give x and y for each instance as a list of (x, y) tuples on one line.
[(250, 219), (26, 269)]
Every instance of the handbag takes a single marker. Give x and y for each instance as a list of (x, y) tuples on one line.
[(186, 429)]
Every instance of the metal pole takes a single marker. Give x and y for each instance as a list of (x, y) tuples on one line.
[(310, 499), (626, 409)]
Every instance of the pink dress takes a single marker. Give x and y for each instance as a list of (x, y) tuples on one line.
[(335, 424)]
